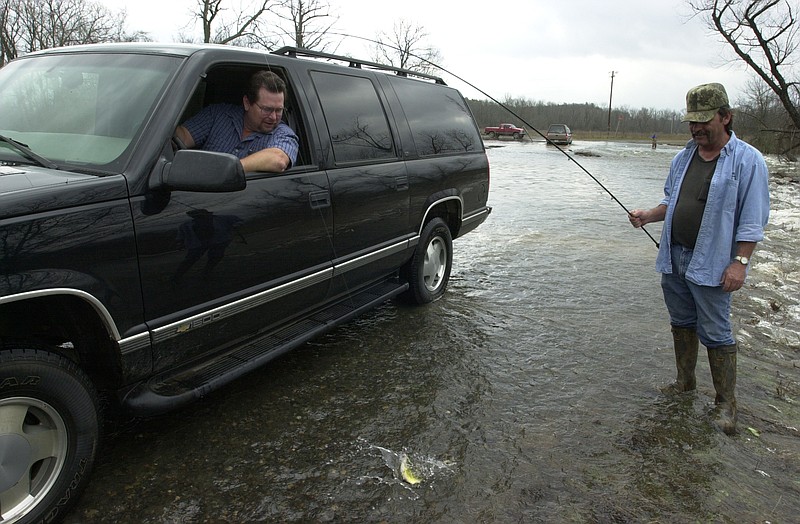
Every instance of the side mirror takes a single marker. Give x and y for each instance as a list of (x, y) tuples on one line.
[(204, 171)]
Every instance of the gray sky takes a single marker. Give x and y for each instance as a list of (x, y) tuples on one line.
[(541, 50)]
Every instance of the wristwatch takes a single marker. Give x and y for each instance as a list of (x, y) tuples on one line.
[(741, 259)]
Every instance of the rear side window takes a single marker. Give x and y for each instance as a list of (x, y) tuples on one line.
[(355, 118), (439, 118)]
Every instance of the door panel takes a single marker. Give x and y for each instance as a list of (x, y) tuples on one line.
[(217, 267), (369, 182)]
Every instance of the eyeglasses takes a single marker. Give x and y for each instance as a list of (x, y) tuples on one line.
[(269, 110)]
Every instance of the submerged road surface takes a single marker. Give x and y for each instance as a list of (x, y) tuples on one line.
[(528, 394)]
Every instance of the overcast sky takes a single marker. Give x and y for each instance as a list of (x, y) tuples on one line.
[(541, 50)]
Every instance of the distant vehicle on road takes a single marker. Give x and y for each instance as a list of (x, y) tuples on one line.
[(559, 134), (505, 130)]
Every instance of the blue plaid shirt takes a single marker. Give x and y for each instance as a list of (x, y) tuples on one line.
[(219, 128)]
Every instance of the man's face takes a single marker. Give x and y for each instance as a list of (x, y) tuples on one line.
[(264, 115), (710, 135)]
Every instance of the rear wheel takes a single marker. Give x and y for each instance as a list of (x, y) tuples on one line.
[(49, 430), (428, 271)]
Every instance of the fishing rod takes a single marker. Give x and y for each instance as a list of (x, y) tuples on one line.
[(512, 112)]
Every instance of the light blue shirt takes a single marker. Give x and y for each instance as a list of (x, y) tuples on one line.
[(737, 210)]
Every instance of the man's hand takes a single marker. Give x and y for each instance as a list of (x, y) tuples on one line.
[(641, 217), (636, 217), (733, 277), (185, 137)]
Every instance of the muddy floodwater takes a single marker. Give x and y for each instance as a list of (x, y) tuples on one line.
[(529, 393)]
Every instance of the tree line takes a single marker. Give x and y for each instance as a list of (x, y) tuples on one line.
[(583, 117), (759, 118)]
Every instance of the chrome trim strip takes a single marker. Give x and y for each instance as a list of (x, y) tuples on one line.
[(142, 340), (134, 343), (434, 204), (475, 216), (182, 326), (363, 260), (98, 306)]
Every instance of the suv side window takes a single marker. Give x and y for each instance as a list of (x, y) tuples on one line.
[(356, 121), (227, 83), (440, 120)]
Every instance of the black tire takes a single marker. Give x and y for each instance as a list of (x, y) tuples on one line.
[(428, 271), (516, 136), (49, 432), (492, 134)]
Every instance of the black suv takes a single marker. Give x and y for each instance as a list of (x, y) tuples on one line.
[(137, 271)]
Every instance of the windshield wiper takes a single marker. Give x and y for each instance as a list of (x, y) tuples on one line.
[(27, 153)]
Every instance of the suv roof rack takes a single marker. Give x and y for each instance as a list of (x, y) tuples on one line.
[(294, 52)]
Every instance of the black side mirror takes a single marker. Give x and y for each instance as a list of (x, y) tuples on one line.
[(204, 171)]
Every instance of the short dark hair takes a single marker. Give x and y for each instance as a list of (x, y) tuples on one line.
[(726, 111), (266, 79)]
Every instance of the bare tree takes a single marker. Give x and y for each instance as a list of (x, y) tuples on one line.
[(764, 34), (242, 24), (31, 25), (404, 47), (311, 22)]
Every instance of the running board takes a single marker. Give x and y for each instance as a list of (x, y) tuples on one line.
[(164, 393)]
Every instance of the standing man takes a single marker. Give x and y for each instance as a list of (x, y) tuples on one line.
[(715, 208), (253, 131)]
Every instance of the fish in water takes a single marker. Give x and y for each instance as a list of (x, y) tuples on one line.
[(408, 473)]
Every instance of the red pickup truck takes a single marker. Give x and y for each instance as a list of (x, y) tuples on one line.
[(504, 130)]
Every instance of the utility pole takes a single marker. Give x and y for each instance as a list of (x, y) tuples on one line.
[(611, 94)]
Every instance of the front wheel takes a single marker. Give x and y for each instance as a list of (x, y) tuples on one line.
[(49, 430), (428, 271)]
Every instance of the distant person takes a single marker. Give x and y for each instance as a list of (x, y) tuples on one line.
[(655, 142), (715, 208), (253, 131)]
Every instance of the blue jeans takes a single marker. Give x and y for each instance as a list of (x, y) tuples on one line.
[(704, 308)]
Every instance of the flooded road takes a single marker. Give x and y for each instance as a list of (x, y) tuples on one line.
[(529, 393)]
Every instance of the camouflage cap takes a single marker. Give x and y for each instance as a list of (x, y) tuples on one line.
[(703, 101)]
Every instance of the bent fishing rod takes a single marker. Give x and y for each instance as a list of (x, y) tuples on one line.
[(511, 111)]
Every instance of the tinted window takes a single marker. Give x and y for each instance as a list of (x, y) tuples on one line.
[(355, 117), (439, 118)]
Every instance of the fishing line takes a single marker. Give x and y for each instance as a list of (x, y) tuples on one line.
[(490, 97)]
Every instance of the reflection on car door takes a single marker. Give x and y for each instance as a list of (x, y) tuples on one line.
[(369, 182), (218, 267)]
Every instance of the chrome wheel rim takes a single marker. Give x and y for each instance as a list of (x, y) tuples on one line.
[(33, 452), (434, 264)]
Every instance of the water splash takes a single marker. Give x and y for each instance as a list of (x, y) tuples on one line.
[(412, 468)]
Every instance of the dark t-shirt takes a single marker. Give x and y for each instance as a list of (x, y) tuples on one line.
[(692, 201)]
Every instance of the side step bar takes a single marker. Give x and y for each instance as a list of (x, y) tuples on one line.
[(164, 393)]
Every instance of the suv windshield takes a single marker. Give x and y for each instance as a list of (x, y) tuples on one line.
[(82, 109)]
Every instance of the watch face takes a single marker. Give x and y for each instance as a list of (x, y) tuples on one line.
[(743, 260)]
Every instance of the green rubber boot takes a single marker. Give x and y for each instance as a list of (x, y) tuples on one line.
[(686, 344), (722, 361)]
